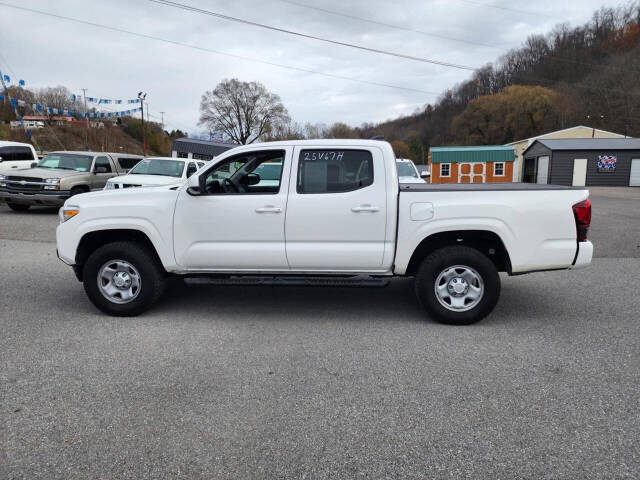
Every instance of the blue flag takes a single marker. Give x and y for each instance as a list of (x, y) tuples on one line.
[(21, 83)]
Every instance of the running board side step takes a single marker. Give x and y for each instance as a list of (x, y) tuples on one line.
[(290, 281)]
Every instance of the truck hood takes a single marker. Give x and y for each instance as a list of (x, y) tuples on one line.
[(122, 198), (45, 172), (147, 180)]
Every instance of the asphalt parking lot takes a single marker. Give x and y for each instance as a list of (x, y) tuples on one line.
[(275, 382)]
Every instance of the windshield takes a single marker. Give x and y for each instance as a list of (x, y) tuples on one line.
[(65, 161), (405, 169), (168, 168)]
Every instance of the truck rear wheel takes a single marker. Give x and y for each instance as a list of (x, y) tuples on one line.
[(18, 207), (123, 279), (457, 285)]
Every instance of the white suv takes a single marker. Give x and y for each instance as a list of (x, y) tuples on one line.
[(156, 171), (408, 173), (14, 155)]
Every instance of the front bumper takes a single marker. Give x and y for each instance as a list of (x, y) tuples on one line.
[(53, 198), (77, 269), (584, 256)]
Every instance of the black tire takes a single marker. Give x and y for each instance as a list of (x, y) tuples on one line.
[(151, 273), (441, 261), (78, 190), (18, 207)]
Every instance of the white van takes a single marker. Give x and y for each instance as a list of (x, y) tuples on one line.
[(15, 155)]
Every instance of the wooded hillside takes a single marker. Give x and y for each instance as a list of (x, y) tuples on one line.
[(565, 78)]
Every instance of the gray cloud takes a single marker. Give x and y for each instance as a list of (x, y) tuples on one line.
[(46, 51)]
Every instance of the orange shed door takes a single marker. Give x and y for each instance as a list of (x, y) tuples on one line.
[(472, 172)]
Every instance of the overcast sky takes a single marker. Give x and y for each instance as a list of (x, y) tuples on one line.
[(47, 51)]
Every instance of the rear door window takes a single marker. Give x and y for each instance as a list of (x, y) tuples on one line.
[(127, 163), (334, 171), (16, 153), (103, 162)]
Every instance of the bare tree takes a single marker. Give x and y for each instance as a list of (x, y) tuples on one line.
[(288, 130), (56, 97), (245, 111)]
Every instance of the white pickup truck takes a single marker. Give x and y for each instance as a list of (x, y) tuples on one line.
[(336, 216)]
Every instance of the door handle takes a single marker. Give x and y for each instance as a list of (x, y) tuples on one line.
[(269, 209), (365, 208)]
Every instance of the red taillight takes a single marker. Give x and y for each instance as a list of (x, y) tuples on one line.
[(582, 214)]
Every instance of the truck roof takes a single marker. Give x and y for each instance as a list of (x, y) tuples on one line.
[(8, 143), (331, 142), (88, 152)]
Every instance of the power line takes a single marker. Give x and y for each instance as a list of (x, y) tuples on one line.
[(312, 37), (507, 9), (399, 27), (391, 25), (217, 52)]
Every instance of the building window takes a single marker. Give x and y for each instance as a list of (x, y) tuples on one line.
[(183, 155), (445, 169), (498, 169), (199, 156)]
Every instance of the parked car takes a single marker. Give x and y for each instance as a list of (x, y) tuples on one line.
[(15, 155), (60, 175), (337, 215), (408, 173), (154, 171)]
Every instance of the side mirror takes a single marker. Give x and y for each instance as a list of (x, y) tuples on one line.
[(425, 174), (34, 164), (191, 170), (251, 179), (193, 186), (100, 170)]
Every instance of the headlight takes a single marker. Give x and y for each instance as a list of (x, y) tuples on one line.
[(52, 184), (68, 212), (3, 180)]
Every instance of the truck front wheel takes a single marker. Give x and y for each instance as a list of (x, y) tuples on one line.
[(457, 285), (123, 278)]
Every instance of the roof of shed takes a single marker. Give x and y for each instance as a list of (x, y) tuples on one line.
[(590, 143), (480, 153), (203, 147)]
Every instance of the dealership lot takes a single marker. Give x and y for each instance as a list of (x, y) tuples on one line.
[(273, 382)]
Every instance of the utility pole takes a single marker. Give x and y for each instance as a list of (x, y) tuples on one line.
[(84, 96), (86, 133), (162, 119), (593, 124), (142, 96)]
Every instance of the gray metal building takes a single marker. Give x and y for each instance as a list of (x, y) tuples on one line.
[(583, 162), (199, 149)]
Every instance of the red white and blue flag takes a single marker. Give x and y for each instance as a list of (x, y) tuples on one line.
[(606, 163)]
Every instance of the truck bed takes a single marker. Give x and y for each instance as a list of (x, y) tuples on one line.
[(499, 187), (535, 223)]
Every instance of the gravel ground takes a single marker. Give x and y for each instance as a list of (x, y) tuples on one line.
[(274, 382)]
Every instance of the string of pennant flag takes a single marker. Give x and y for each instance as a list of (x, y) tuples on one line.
[(107, 100), (4, 79), (61, 111), (7, 79)]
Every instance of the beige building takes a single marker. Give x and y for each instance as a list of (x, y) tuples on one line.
[(574, 132)]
